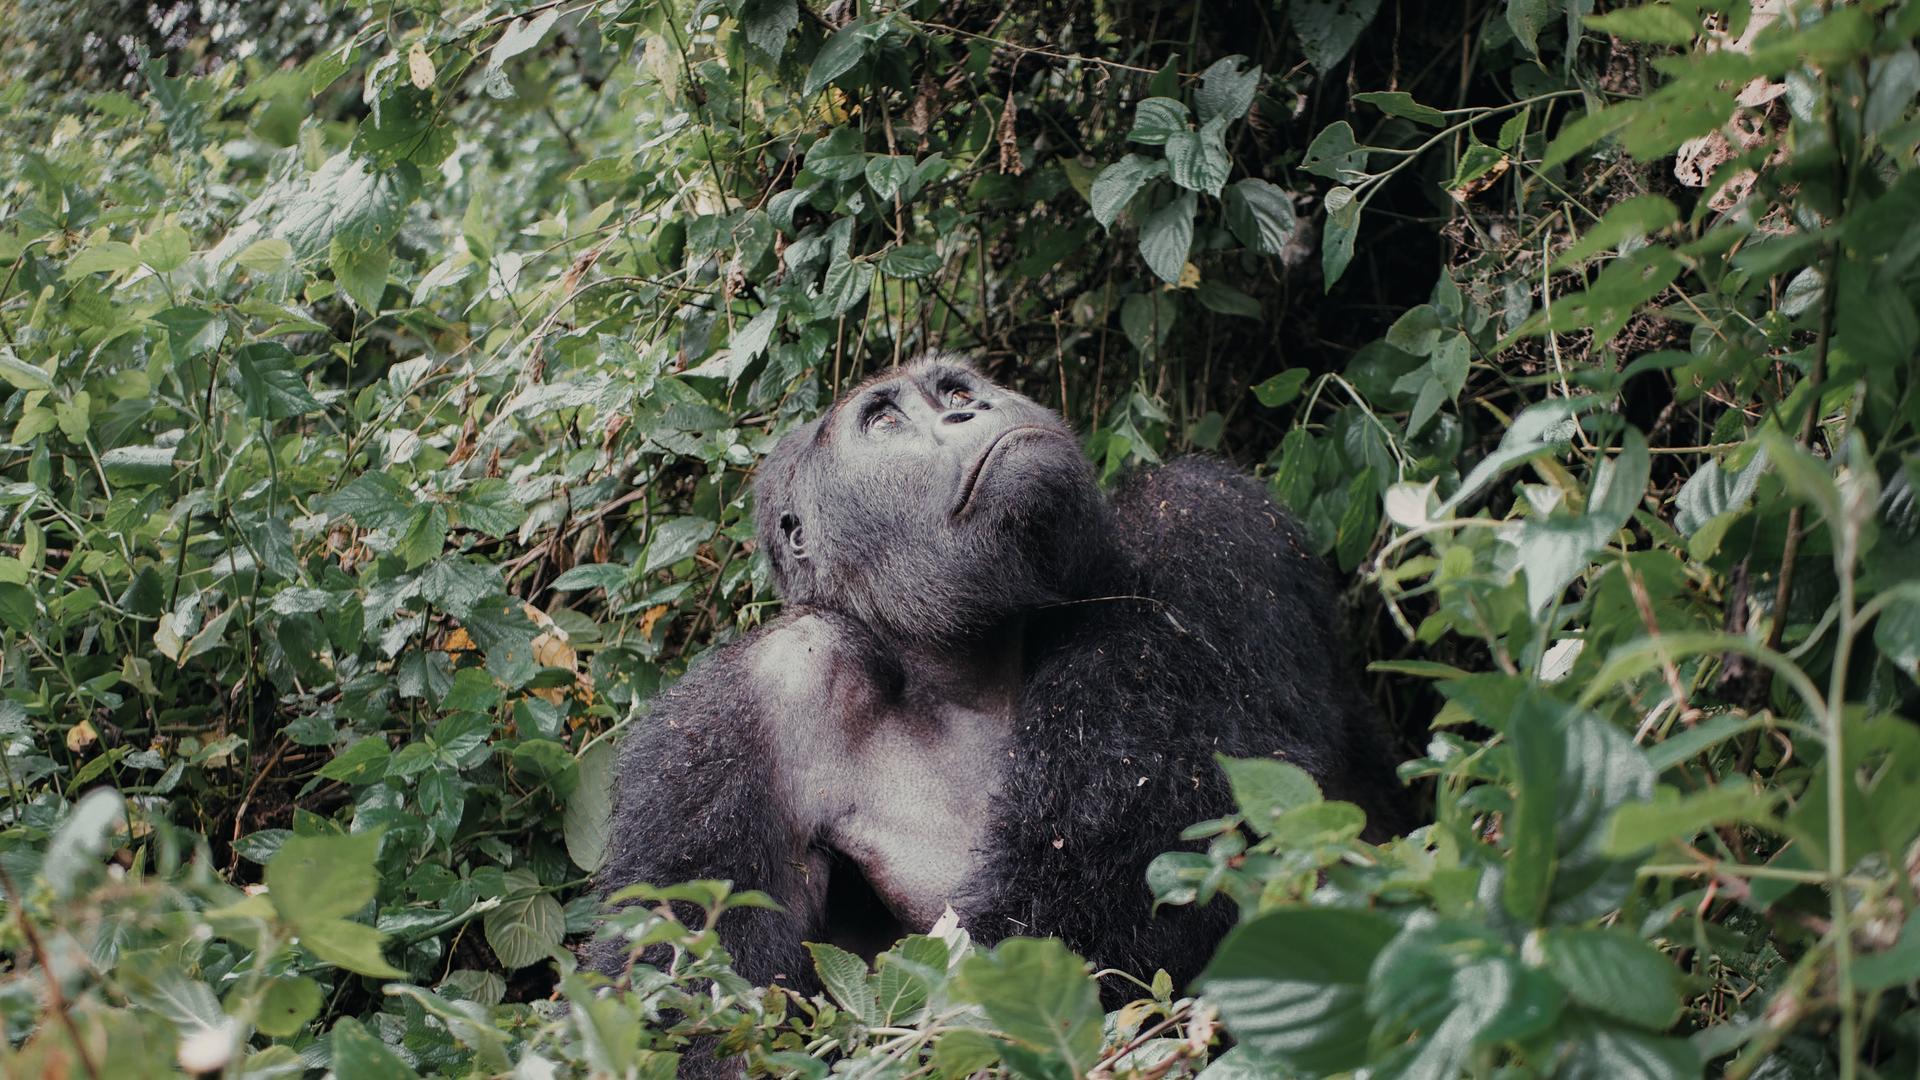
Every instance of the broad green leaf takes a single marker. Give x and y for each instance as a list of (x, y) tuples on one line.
[(1656, 24), (410, 125), (836, 57), (1167, 235), (315, 878), (1260, 215), (80, 841), (1282, 388), (1630, 219), (1335, 155), (1119, 182), (271, 386), (1327, 29), (1039, 995), (287, 1004), (1156, 119), (1670, 816), (357, 1053), (588, 822), (1614, 973), (528, 924), (1197, 160), (845, 977), (768, 23), (1529, 17), (1225, 91), (1265, 788), (360, 267), (1343, 227), (1292, 983)]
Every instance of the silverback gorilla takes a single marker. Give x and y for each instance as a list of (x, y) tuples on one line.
[(993, 687)]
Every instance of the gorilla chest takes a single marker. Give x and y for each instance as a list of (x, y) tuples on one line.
[(906, 791)]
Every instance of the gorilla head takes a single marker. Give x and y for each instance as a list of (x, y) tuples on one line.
[(930, 503)]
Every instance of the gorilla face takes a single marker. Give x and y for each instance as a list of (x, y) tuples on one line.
[(930, 502)]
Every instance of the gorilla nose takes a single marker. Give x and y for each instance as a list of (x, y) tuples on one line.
[(956, 418)]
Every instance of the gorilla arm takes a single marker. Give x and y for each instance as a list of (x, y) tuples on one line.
[(695, 797)]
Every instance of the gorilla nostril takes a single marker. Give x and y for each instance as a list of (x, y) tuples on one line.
[(957, 417)]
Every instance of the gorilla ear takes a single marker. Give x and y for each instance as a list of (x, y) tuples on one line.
[(794, 534)]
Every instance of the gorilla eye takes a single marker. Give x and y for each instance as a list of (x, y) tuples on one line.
[(883, 418), (957, 398)]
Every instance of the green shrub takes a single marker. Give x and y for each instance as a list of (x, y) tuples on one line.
[(381, 413)]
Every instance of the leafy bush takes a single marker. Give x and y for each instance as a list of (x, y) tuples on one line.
[(382, 409)]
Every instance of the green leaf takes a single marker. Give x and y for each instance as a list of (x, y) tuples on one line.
[(360, 266), (271, 386), (768, 23), (21, 375), (1291, 984), (1166, 236), (838, 54), (1595, 1052), (409, 126), (1156, 119), (1343, 227), (1335, 155), (1400, 103), (1631, 219), (590, 576), (1529, 17), (1265, 788), (1655, 24), (845, 977), (361, 763), (1553, 552), (1282, 388), (1896, 633), (1615, 974), (675, 539), (846, 283), (1118, 183), (906, 976), (587, 825), (349, 945), (358, 1054), (527, 926), (1453, 986), (315, 878), (79, 842), (1260, 215), (1039, 995), (345, 200), (889, 174), (1635, 827), (165, 248), (838, 155), (909, 261), (1197, 160), (1327, 29), (1226, 91), (287, 1004)]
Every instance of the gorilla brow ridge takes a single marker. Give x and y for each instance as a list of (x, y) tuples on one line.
[(938, 361)]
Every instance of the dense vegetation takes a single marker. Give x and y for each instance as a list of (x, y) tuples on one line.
[(381, 393)]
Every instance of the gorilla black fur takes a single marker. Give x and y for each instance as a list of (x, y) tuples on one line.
[(994, 686)]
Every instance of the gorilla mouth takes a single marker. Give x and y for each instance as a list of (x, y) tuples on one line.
[(972, 481)]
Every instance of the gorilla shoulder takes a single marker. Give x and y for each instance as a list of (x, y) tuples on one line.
[(809, 662), (1193, 514)]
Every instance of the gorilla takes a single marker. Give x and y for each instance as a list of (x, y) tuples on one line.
[(993, 687)]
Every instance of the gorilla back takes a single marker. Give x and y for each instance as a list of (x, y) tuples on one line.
[(994, 687)]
